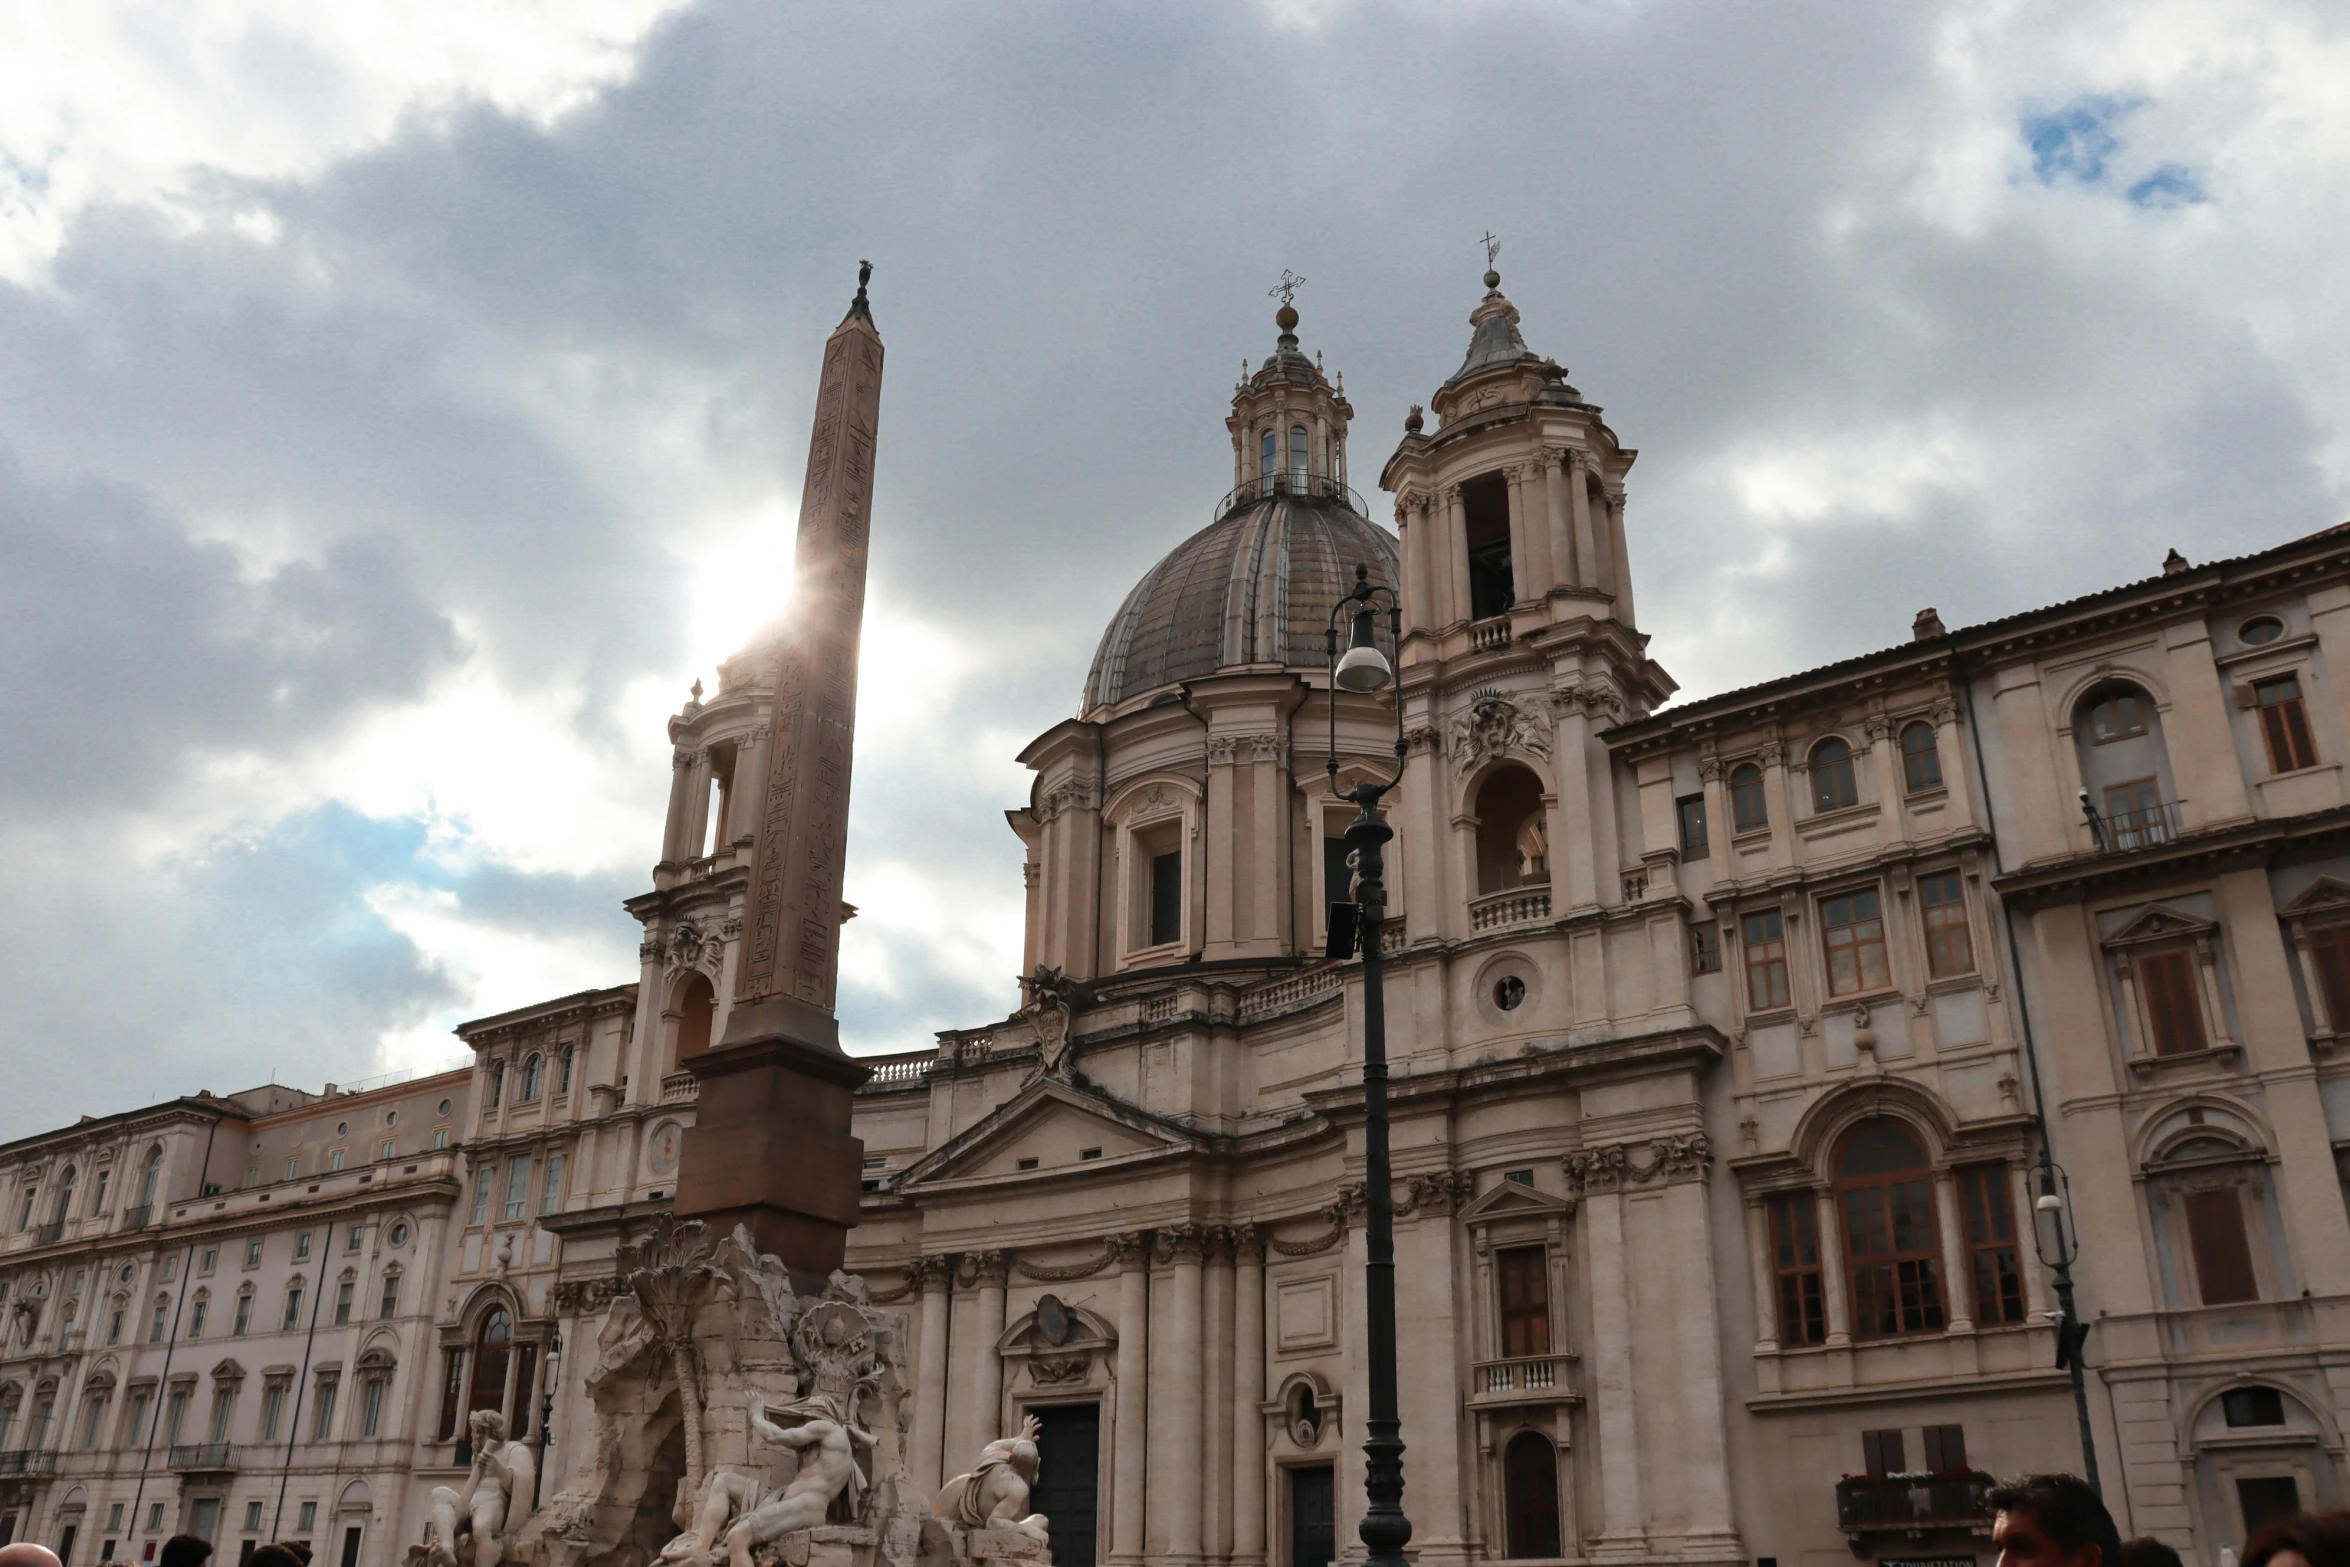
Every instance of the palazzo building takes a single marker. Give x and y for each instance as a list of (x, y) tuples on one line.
[(1724, 1035)]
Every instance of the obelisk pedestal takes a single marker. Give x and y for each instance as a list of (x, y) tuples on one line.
[(770, 1147)]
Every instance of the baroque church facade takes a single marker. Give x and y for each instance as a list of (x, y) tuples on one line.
[(1725, 1037)]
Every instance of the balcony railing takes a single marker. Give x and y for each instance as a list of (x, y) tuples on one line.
[(680, 1088), (1486, 635), (901, 1070), (1295, 486), (136, 1218), (1914, 1502), (2124, 831), (1525, 1379), (1518, 906), (203, 1457), (28, 1463), (49, 1234)]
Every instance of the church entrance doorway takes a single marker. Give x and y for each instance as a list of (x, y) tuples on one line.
[(1313, 1517), (1068, 1453)]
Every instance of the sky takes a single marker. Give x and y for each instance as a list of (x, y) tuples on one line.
[(401, 405)]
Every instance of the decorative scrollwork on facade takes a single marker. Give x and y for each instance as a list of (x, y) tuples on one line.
[(577, 1295), (1048, 1273), (1677, 1156), (1439, 1191), (1494, 726)]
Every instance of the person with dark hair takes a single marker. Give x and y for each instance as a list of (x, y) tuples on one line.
[(2147, 1551), (186, 1550), (2306, 1541), (273, 1556), (2052, 1520), (299, 1549)]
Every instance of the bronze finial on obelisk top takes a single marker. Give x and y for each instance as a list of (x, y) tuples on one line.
[(770, 1147)]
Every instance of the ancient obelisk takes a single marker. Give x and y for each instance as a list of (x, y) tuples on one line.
[(770, 1146)]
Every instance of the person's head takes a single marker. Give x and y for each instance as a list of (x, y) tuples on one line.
[(2052, 1520), (273, 1556), (300, 1548), (24, 1553), (186, 1550), (2321, 1541), (2147, 1551)]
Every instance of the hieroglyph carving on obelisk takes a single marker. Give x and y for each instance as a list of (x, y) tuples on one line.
[(793, 936)]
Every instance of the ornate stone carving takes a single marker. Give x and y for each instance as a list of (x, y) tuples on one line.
[(1072, 794), (1248, 1242), (1494, 726), (994, 1496), (736, 1511), (1422, 739), (1615, 1165), (1052, 1002), (1440, 1191), (983, 1268), (1771, 753), (1185, 1242), (1878, 727), (1221, 749), (925, 1273), (1059, 1370), (481, 1518), (1266, 748), (1709, 766), (1128, 1250), (1047, 1273)]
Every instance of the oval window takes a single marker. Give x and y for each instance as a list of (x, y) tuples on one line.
[(2266, 628), (342, 1127), (444, 1107), (391, 1118), (1509, 993), (399, 1236)]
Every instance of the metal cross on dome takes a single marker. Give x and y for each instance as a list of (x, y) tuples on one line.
[(1492, 247), (1287, 288)]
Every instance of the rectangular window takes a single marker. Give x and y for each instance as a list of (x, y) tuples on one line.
[(2134, 816), (1690, 809), (356, 1237), (517, 1186), (322, 1427), (210, 1260), (196, 1318), (452, 1391), (293, 1167), (1166, 897), (1950, 949), (175, 1416), (526, 1357), (204, 1517), (244, 1315), (481, 1193), (1853, 932), (1521, 1276), (2252, 1406), (154, 1517), (252, 1517), (114, 1326), (224, 1409), (384, 1151), (273, 1409), (1946, 1449), (1766, 962), (252, 1254), (2284, 724), (134, 1431), (2174, 1007), (551, 1190), (1748, 812), (343, 1294), (309, 1517), (155, 1324), (2329, 954), (301, 1245), (1795, 1262), (371, 1403), (389, 1306), (2223, 1253), (1705, 948), (1889, 1238), (93, 1422), (293, 1316), (1882, 1452), (334, 1161), (114, 1518), (1989, 1219), (440, 1138), (1485, 517)]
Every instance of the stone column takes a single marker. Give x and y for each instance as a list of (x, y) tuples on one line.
[(1615, 1402), (1456, 553), (1960, 1277), (1620, 558), (1129, 1454), (1703, 1463), (1216, 1374), (1779, 800), (1525, 550), (1411, 529), (987, 1372), (1271, 873), (750, 765), (1179, 1360), (1248, 1393), (1832, 1269), (673, 834), (1216, 846), (697, 805), (1884, 754), (1766, 1276), (1950, 751), (932, 1275), (1575, 849), (1565, 569), (1590, 556)]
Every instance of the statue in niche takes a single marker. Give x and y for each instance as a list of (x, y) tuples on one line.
[(496, 1493), (995, 1495), (738, 1513)]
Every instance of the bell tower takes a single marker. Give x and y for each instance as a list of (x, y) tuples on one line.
[(1288, 420)]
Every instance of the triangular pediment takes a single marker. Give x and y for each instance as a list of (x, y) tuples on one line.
[(1061, 1125), (1510, 1200), (2324, 895), (2159, 924)]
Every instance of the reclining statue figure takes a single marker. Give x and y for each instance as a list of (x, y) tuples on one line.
[(995, 1495), (822, 1434), (496, 1493)]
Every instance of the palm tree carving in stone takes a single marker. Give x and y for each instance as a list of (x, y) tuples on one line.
[(672, 1276)]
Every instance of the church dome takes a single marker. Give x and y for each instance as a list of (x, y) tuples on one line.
[(1252, 590)]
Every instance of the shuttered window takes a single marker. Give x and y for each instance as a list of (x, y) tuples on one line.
[(2223, 1253), (2284, 724), (1882, 1452), (1522, 1279), (2174, 1011), (1795, 1262), (1991, 1246), (2329, 948)]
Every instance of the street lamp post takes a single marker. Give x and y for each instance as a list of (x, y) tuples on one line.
[(2059, 1245), (1364, 670), (538, 1479)]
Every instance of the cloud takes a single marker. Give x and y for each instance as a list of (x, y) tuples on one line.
[(394, 423)]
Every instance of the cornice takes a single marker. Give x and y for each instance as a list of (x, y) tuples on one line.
[(2190, 854)]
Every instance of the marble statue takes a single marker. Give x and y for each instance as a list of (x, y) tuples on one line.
[(995, 1495), (738, 1513), (491, 1507)]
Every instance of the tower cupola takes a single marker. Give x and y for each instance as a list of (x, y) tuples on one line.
[(1288, 419)]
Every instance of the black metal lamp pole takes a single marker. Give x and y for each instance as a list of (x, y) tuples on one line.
[(1384, 1529), (538, 1479), (2059, 1247)]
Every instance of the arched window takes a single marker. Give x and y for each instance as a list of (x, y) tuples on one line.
[(1921, 758), (1297, 457), (10, 1397), (1530, 1487), (2117, 713), (1892, 1251), (1511, 846), (497, 1083), (493, 1347), (150, 1177), (563, 1071), (1747, 809), (2118, 734), (697, 1016), (1268, 453), (1833, 786), (528, 1092)]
